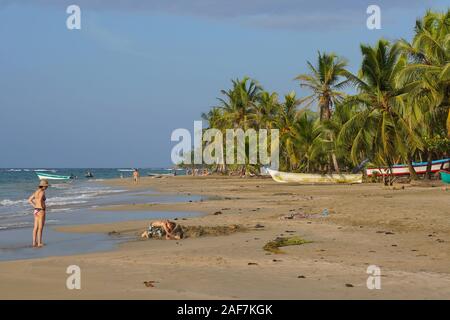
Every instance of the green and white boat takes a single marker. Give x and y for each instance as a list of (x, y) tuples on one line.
[(47, 176)]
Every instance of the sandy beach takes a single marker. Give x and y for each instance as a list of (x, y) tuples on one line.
[(404, 231)]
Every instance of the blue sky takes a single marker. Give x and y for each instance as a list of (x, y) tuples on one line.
[(110, 94)]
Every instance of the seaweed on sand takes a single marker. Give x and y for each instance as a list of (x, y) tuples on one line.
[(274, 245), (200, 231)]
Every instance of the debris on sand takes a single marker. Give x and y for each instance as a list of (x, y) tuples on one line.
[(196, 231), (274, 245), (201, 231), (385, 232), (149, 284), (300, 215)]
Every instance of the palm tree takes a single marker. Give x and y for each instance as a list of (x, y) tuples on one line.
[(238, 107), (332, 127), (240, 101), (325, 80), (429, 71), (215, 118), (307, 142), (427, 76), (400, 112), (285, 122), (378, 132), (265, 111)]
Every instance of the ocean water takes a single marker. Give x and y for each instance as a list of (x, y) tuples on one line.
[(16, 185), (70, 203)]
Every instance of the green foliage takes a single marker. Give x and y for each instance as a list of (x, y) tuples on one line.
[(400, 111), (438, 144)]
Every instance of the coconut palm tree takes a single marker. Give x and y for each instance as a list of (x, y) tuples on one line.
[(265, 111), (332, 127), (238, 107), (378, 132), (215, 118), (400, 111), (285, 121), (427, 77), (429, 70), (325, 80), (307, 142), (240, 101)]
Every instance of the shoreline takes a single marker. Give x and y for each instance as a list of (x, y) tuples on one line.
[(15, 241), (367, 225)]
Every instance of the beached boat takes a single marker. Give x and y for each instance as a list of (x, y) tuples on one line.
[(310, 178), (402, 169), (445, 176), (47, 176), (159, 175)]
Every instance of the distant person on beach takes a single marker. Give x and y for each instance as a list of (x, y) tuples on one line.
[(136, 176), (172, 230), (37, 200)]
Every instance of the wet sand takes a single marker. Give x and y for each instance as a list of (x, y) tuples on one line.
[(405, 232)]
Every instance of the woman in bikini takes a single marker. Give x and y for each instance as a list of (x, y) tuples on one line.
[(37, 200)]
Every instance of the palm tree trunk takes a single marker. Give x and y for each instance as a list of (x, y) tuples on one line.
[(429, 164), (412, 171), (448, 124), (333, 156), (391, 176), (335, 163)]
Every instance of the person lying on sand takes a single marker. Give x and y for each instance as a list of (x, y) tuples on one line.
[(170, 229)]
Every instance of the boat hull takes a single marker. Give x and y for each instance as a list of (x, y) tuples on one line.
[(401, 170), (445, 176), (43, 176), (308, 178)]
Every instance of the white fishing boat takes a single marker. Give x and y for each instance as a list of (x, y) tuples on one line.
[(402, 169), (46, 176), (312, 178)]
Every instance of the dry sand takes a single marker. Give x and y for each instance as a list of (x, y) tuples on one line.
[(405, 232)]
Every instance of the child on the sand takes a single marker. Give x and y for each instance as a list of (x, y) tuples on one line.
[(170, 229)]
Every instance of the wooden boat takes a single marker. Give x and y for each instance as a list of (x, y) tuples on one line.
[(445, 176), (402, 169), (309, 178), (159, 175), (47, 176)]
